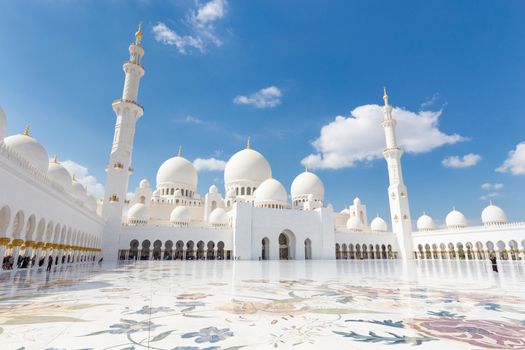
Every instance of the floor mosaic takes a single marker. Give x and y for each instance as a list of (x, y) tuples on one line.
[(264, 305)]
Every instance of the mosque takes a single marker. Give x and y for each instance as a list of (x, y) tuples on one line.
[(45, 212)]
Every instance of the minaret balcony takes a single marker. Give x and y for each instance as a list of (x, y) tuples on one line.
[(120, 100), (113, 198)]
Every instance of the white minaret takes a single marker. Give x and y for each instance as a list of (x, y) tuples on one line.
[(397, 191), (128, 112)]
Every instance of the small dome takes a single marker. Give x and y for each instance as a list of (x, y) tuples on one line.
[(307, 183), (156, 193), (78, 191), (378, 225), (270, 192), (456, 219), (144, 183), (353, 224), (218, 217), (493, 215), (180, 215), (213, 189), (91, 203), (177, 171), (425, 223), (29, 148), (138, 213), (345, 211), (357, 201), (58, 174), (247, 165), (230, 193), (3, 123)]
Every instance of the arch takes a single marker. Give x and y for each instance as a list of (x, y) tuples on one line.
[(142, 200), (420, 250), (378, 252), (443, 250), (18, 224), (337, 251), (286, 245), (40, 230), (390, 252), (30, 227), (210, 252), (220, 250), (189, 250), (307, 249), (365, 251), (502, 249), (358, 254), (480, 252), (265, 248), (461, 251), (383, 252), (428, 253), (344, 251), (133, 250), (435, 251), (451, 251), (351, 252), (371, 249), (469, 247), (5, 218), (144, 252), (200, 250), (213, 205), (157, 245), (168, 248), (514, 252), (179, 250)]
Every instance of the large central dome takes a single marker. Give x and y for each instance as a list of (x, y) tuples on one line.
[(177, 171), (247, 166)]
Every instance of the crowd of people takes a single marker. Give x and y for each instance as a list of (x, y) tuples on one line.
[(24, 262)]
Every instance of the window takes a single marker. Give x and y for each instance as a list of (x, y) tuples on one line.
[(242, 191)]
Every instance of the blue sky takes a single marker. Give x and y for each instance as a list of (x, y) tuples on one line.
[(458, 63)]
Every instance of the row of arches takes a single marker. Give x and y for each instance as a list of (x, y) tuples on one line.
[(469, 251), (177, 251), (287, 247), (364, 251), (31, 238)]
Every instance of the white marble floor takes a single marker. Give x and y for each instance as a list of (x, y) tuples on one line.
[(262, 305)]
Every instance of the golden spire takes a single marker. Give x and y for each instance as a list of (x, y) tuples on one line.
[(55, 159), (26, 130), (385, 96), (248, 143), (138, 34), (180, 152)]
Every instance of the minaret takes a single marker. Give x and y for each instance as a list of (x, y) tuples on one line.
[(128, 112), (397, 191)]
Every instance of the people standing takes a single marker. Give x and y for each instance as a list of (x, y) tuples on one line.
[(494, 262), (49, 263)]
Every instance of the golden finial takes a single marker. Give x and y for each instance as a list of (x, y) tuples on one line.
[(490, 202), (180, 152), (26, 130), (138, 34), (305, 168), (55, 159), (74, 177), (385, 96), (248, 143)]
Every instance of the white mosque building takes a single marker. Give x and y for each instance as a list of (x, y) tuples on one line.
[(45, 212)]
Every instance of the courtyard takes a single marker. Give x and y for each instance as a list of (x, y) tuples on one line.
[(375, 304)]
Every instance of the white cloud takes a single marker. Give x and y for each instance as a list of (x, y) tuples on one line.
[(209, 164), (430, 101), (168, 36), (515, 162), (490, 186), (360, 137), (466, 161), (82, 175), (200, 25), (264, 98), (489, 196), (211, 11)]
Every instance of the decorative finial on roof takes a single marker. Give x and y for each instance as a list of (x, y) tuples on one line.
[(453, 208), (180, 152), (248, 143), (490, 202), (26, 130), (305, 168), (385, 96), (74, 177), (55, 159), (138, 34)]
